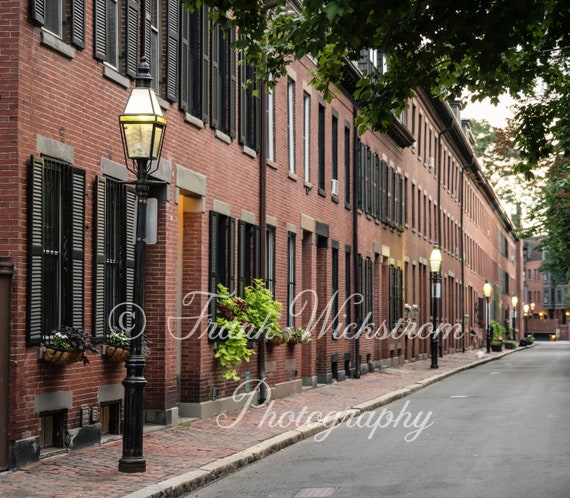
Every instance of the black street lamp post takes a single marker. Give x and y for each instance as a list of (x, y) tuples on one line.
[(487, 289), (514, 302), (142, 130), (526, 308), (435, 260)]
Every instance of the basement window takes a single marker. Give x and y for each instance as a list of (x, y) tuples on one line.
[(52, 430), (111, 418)]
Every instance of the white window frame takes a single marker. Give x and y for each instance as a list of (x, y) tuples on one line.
[(307, 136), (270, 125), (291, 125)]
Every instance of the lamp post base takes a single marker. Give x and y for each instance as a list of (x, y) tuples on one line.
[(132, 465)]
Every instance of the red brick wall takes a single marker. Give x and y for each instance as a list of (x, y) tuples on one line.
[(69, 101)]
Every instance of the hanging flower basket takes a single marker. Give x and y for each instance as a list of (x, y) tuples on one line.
[(66, 345), (61, 357), (276, 340), (115, 354)]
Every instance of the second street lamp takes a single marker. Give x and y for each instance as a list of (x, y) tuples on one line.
[(487, 289), (526, 308), (142, 130), (514, 302), (435, 260)]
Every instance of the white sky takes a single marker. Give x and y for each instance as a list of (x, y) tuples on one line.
[(495, 115)]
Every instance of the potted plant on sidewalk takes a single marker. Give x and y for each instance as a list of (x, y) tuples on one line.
[(497, 339)]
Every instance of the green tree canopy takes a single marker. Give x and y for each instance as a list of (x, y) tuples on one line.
[(446, 47)]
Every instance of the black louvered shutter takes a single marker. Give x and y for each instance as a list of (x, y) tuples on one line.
[(233, 83), (38, 11), (99, 270), (173, 28), (132, 37), (257, 253), (205, 65), (78, 247), (213, 271), (147, 4), (257, 121), (215, 76), (231, 244), (185, 59), (242, 253), (243, 102), (129, 242), (66, 251), (35, 251), (78, 23), (100, 30)]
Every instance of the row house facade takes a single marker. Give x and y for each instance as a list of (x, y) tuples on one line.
[(547, 314), (278, 185)]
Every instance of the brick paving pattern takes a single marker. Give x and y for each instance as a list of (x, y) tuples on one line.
[(190, 446)]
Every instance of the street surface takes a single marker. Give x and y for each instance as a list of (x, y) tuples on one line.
[(499, 430)]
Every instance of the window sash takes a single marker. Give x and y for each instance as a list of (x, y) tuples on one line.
[(270, 125), (112, 31), (307, 136), (291, 124), (54, 17), (291, 278)]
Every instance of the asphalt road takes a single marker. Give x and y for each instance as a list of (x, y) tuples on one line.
[(499, 430)]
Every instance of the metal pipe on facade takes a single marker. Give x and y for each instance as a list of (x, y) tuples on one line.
[(357, 286), (262, 229)]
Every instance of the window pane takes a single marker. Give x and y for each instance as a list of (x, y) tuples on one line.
[(53, 16), (112, 33)]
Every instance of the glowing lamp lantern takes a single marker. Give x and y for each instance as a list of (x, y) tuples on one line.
[(142, 123)]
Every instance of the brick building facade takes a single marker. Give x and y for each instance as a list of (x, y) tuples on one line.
[(335, 214)]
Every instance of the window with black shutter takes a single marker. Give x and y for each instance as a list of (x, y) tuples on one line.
[(249, 108), (334, 290), (116, 34), (224, 81), (395, 295), (347, 168), (63, 18), (114, 253), (334, 146), (248, 255), (221, 248), (56, 241), (195, 62), (321, 149), (270, 270), (291, 277)]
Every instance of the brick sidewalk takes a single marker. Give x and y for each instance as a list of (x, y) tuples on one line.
[(185, 457)]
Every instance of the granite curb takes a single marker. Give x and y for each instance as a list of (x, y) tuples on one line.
[(206, 474)]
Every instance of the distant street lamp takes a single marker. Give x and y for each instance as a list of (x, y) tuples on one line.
[(142, 130), (525, 309), (487, 290), (435, 260), (514, 302)]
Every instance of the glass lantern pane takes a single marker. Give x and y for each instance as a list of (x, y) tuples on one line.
[(159, 130), (138, 139)]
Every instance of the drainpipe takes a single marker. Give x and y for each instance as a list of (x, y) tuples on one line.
[(262, 229), (357, 289), (462, 248), (439, 241), (462, 255)]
